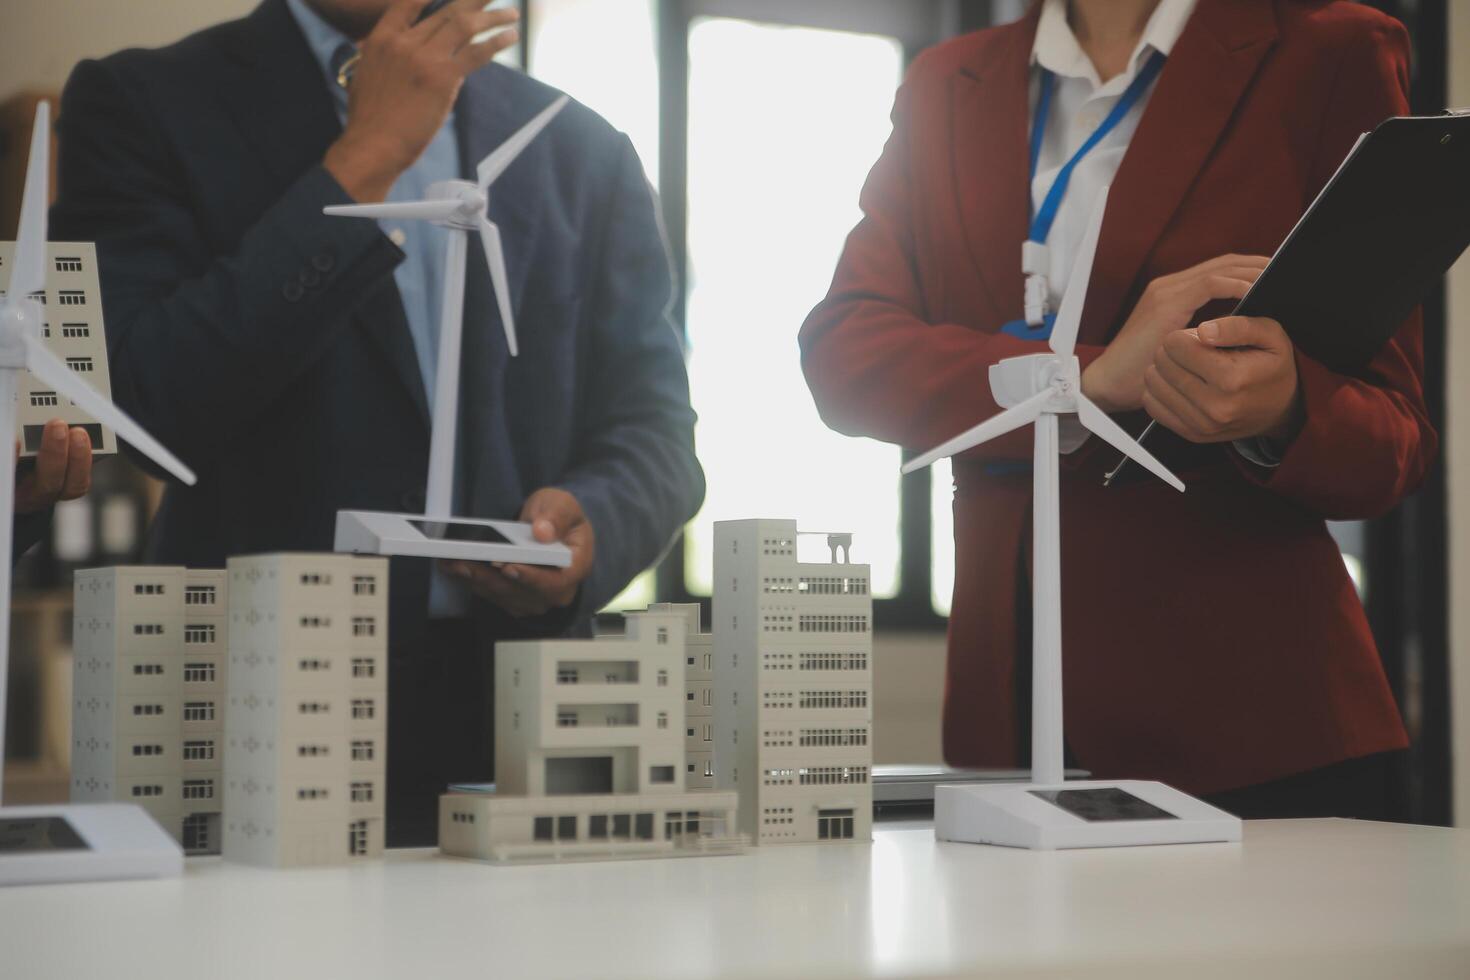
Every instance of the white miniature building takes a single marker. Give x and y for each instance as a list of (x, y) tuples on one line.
[(74, 331), (306, 725), (590, 754), (149, 674), (699, 711), (793, 648)]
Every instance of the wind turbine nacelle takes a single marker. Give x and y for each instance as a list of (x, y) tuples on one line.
[(1016, 379), (472, 200)]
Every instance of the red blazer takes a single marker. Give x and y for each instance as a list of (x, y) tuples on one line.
[(1212, 639)]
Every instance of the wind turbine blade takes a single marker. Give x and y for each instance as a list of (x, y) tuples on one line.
[(505, 154), (495, 256), (1099, 424), (29, 274), (1069, 317), (994, 427), (401, 210), (50, 369)]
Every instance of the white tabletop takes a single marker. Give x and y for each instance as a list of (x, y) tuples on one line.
[(1303, 898)]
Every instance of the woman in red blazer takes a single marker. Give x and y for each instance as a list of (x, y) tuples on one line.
[(1213, 639)]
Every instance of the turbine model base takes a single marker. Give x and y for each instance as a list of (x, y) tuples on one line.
[(455, 538), (93, 842), (1087, 813)]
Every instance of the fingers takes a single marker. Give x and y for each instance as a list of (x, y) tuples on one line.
[(78, 465), (1242, 331), (477, 54), (456, 26), (552, 514), (1175, 410), (1179, 376), (500, 587), (51, 460), (399, 16), (550, 582), (1255, 263), (1165, 417), (1185, 350), (1220, 287)]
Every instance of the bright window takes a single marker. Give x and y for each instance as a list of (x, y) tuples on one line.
[(942, 540), (604, 53), (784, 124)]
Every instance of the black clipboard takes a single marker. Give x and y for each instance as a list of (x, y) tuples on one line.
[(1388, 225), (1384, 229)]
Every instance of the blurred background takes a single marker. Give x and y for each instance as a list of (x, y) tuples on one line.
[(751, 115)]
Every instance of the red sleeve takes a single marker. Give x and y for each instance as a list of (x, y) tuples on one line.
[(1367, 440), (876, 364)]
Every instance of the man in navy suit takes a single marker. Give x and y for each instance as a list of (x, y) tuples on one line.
[(289, 356)]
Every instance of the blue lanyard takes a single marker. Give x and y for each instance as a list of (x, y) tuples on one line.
[(1043, 218), (1041, 223)]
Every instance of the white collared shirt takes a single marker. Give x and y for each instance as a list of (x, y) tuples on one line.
[(1080, 102)]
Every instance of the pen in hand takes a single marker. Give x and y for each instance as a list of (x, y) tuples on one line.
[(1227, 380)]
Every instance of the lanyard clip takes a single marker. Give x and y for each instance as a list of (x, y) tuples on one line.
[(1035, 264), (1037, 300)]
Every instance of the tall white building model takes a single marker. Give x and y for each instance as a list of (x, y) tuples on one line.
[(793, 647), (699, 694), (307, 719), (591, 753), (73, 329), (149, 678)]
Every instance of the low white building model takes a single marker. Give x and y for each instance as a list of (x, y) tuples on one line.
[(591, 753), (148, 714), (270, 678), (306, 726), (793, 647), (73, 329)]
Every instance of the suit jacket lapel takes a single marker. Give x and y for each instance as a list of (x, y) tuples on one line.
[(989, 126), (281, 103), (1208, 72), (281, 100)]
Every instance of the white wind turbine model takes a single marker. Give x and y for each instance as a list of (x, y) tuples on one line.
[(61, 842), (1048, 813), (460, 206)]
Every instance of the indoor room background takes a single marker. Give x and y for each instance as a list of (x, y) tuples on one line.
[(754, 116)]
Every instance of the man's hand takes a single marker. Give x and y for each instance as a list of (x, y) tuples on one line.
[(63, 469), (534, 590), (1115, 380), (1231, 379), (404, 87)]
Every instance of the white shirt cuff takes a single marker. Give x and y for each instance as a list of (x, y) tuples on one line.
[(1258, 450), (1071, 435)]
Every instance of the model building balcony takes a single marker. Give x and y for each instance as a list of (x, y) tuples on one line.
[(597, 716), (587, 673)]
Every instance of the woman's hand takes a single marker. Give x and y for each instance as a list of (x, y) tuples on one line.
[(1115, 380), (1231, 379)]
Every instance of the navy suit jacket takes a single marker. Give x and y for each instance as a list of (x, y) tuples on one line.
[(266, 344)]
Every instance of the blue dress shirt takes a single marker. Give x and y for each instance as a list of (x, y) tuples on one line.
[(420, 277)]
